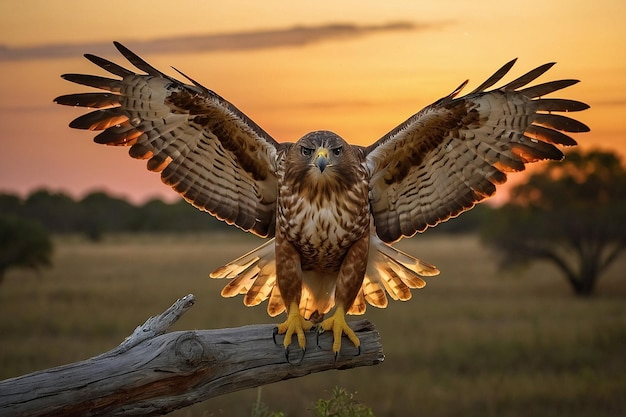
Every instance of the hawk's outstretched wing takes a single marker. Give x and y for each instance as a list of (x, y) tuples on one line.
[(206, 149), (449, 156)]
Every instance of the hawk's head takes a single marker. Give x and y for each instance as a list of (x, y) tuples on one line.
[(321, 149), (321, 157)]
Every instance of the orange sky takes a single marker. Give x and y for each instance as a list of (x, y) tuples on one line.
[(359, 84)]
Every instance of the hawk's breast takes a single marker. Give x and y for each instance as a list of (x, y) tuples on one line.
[(322, 215)]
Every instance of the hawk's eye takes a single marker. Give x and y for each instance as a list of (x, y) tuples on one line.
[(337, 151), (306, 151)]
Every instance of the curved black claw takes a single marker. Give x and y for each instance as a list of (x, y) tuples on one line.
[(274, 333), (286, 349), (294, 363), (318, 332), (358, 353)]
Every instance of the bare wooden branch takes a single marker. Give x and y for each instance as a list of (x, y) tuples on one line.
[(153, 372), (157, 325)]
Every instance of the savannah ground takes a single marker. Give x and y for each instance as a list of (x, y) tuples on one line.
[(474, 342)]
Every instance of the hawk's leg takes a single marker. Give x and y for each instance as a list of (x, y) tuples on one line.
[(349, 282), (289, 280), (295, 324)]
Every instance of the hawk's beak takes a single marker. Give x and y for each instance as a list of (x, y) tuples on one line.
[(321, 159)]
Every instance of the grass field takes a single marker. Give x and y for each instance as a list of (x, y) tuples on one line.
[(473, 342)]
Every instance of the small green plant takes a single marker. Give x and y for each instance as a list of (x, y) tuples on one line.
[(341, 404)]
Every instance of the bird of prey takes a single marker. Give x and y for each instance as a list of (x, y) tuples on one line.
[(332, 209)]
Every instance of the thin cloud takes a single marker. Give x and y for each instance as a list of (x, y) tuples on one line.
[(618, 102), (234, 41)]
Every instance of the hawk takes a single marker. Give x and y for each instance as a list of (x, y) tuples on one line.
[(330, 208)]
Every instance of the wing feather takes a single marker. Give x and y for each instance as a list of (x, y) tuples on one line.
[(93, 100), (94, 81), (452, 154), (109, 66), (497, 76), (557, 104), (529, 77), (204, 147), (100, 119), (547, 88), (138, 62), (558, 122)]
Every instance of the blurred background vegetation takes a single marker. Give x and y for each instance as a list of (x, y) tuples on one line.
[(498, 333)]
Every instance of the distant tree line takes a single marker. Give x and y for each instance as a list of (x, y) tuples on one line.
[(99, 213)]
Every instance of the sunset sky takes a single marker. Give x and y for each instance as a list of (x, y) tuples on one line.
[(356, 67)]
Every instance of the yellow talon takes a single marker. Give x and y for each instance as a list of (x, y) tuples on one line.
[(295, 323), (337, 323)]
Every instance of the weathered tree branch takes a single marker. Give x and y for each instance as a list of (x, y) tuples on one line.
[(153, 372)]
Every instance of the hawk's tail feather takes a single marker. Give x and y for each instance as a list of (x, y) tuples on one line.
[(263, 284), (275, 305), (254, 276), (389, 271), (245, 270)]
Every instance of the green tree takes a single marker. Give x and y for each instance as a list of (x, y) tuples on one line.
[(179, 216), (23, 244), (101, 213), (54, 210), (572, 214)]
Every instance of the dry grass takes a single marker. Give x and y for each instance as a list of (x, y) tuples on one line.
[(471, 343)]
